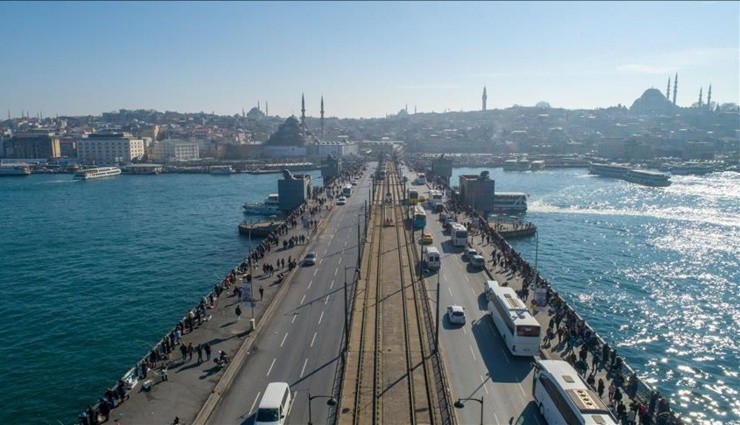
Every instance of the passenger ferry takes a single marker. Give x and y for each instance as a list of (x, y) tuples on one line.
[(691, 168), (15, 170), (509, 202), (97, 173), (270, 206), (221, 170), (648, 178), (517, 165), (617, 171)]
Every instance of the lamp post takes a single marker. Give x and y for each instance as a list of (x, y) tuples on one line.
[(536, 254), (346, 308), (439, 319), (459, 404), (331, 402)]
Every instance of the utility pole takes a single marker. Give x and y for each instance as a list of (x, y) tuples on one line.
[(439, 319)]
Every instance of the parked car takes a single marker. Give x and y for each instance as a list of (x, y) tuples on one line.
[(456, 314), (478, 262), (341, 200), (426, 238)]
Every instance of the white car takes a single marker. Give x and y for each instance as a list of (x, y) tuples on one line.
[(456, 314), (341, 200), (469, 253), (310, 259)]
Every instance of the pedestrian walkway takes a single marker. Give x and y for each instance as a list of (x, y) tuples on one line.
[(179, 377)]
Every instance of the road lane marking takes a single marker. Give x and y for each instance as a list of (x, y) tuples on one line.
[(254, 402), (483, 380), (467, 278), (473, 291), (305, 362), (309, 284), (315, 271), (449, 289), (327, 300), (465, 331), (271, 365), (336, 271), (313, 339), (521, 389), (340, 260), (321, 317), (303, 299), (294, 316), (331, 285), (286, 335), (472, 352)]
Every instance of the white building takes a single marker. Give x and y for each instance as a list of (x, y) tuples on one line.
[(336, 149), (109, 148), (176, 150)]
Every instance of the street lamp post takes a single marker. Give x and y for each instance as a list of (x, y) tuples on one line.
[(459, 404), (346, 308), (439, 319), (331, 402)]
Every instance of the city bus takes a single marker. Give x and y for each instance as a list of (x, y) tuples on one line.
[(458, 235), (381, 174), (420, 217), (347, 191), (564, 399), (519, 329), (421, 179)]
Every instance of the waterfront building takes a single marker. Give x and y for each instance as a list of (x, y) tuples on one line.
[(335, 148), (478, 191), (175, 150), (35, 144), (331, 167), (109, 148), (293, 190)]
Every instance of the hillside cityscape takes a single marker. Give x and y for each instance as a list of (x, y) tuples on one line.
[(652, 131)]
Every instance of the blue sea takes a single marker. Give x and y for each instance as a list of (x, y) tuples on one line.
[(93, 273)]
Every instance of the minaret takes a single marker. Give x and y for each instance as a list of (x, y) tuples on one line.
[(668, 90), (701, 96), (303, 111), (243, 114), (485, 98), (675, 88), (267, 109), (709, 97), (258, 106), (322, 117)]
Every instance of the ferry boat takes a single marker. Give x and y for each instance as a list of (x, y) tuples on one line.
[(510, 202), (270, 206), (221, 170), (648, 178), (97, 173), (16, 170), (517, 165), (537, 165), (617, 171)]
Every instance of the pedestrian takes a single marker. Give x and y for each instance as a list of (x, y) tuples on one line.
[(601, 387), (200, 353), (184, 351), (611, 391), (207, 347), (190, 351), (164, 373), (262, 292), (238, 313)]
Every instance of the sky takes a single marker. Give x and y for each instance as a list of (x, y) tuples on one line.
[(368, 59)]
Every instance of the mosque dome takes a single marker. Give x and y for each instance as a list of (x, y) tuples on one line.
[(652, 102)]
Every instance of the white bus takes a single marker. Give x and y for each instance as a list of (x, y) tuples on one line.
[(421, 179), (519, 329), (458, 235), (347, 191), (564, 399)]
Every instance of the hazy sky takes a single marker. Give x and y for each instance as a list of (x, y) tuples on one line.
[(367, 59)]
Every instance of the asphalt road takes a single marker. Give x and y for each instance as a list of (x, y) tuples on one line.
[(477, 362), (302, 343)]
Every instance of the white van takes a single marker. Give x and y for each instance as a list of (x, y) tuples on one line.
[(275, 404), (431, 258)]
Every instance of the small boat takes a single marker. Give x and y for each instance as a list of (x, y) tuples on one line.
[(538, 165), (97, 173), (270, 206)]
